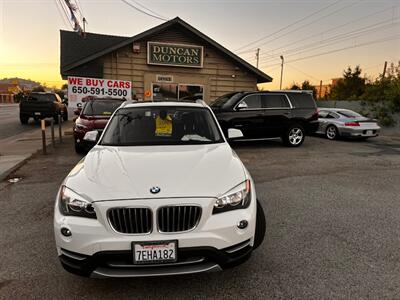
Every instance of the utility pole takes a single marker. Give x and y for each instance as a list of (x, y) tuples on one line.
[(384, 70), (280, 86), (84, 25), (258, 56), (320, 90)]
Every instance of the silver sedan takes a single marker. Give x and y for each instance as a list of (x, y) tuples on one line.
[(335, 122)]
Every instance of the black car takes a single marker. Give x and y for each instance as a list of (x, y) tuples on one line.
[(40, 105), (266, 114)]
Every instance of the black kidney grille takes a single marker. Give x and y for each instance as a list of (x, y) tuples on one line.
[(178, 218), (131, 220)]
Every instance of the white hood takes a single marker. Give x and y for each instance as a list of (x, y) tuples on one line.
[(109, 173)]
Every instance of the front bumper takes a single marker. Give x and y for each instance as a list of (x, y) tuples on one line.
[(120, 263), (94, 243)]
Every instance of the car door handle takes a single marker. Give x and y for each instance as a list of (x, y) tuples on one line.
[(238, 125)]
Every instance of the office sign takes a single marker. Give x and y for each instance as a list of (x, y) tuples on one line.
[(80, 88), (165, 78), (174, 55)]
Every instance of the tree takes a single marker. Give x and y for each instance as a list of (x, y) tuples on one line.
[(385, 89), (350, 87), (19, 97), (38, 89), (295, 86), (306, 85)]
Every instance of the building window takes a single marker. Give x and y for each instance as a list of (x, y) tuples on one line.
[(177, 92), (165, 92), (190, 92)]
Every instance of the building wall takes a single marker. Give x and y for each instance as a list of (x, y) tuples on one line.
[(218, 76)]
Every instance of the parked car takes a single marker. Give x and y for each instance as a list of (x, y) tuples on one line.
[(93, 116), (336, 122), (161, 193), (260, 115), (42, 105)]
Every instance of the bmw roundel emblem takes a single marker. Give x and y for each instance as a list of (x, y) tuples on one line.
[(155, 190)]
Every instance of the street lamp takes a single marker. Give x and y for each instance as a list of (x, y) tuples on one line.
[(280, 86)]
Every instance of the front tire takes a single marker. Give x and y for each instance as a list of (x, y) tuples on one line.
[(23, 119), (79, 149), (294, 136), (65, 115), (331, 132), (260, 226)]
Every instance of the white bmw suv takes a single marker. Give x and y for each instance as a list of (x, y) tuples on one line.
[(161, 193)]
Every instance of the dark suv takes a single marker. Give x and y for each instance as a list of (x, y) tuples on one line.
[(40, 105), (259, 115)]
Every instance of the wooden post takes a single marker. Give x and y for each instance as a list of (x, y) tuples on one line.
[(43, 127), (53, 142), (60, 128)]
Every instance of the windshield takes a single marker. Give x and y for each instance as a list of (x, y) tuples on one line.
[(158, 125), (349, 114), (220, 102), (101, 107), (42, 97)]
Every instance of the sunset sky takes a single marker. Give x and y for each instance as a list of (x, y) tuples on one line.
[(307, 33)]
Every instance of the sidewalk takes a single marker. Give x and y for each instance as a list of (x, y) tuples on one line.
[(15, 150), (8, 104)]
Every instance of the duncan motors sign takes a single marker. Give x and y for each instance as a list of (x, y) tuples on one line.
[(174, 55), (80, 88)]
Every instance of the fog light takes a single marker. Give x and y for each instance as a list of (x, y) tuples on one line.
[(66, 232), (242, 224)]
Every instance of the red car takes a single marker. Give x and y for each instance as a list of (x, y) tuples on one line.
[(94, 115)]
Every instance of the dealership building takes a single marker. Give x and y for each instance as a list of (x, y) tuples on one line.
[(172, 61)]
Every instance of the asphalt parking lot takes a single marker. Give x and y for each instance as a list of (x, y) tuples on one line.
[(333, 223)]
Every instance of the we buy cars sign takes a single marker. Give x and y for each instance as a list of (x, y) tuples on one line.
[(81, 87)]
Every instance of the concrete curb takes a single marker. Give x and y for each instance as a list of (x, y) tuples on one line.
[(28, 156), (14, 167)]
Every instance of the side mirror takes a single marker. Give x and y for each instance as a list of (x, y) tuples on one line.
[(91, 136), (242, 105), (77, 111), (79, 105), (234, 133)]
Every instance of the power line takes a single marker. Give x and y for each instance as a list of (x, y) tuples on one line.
[(65, 12), (61, 14), (340, 37), (394, 37), (309, 23), (289, 25), (78, 6), (298, 70), (152, 11), (334, 28), (144, 12)]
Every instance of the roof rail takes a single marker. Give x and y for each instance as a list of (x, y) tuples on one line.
[(125, 103), (294, 91)]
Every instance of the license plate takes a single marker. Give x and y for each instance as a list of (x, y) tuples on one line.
[(369, 132), (154, 252), (37, 113)]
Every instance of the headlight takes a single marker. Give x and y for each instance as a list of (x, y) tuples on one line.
[(72, 204), (237, 198), (80, 126)]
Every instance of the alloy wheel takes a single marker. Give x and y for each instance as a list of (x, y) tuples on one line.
[(331, 132), (295, 136)]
